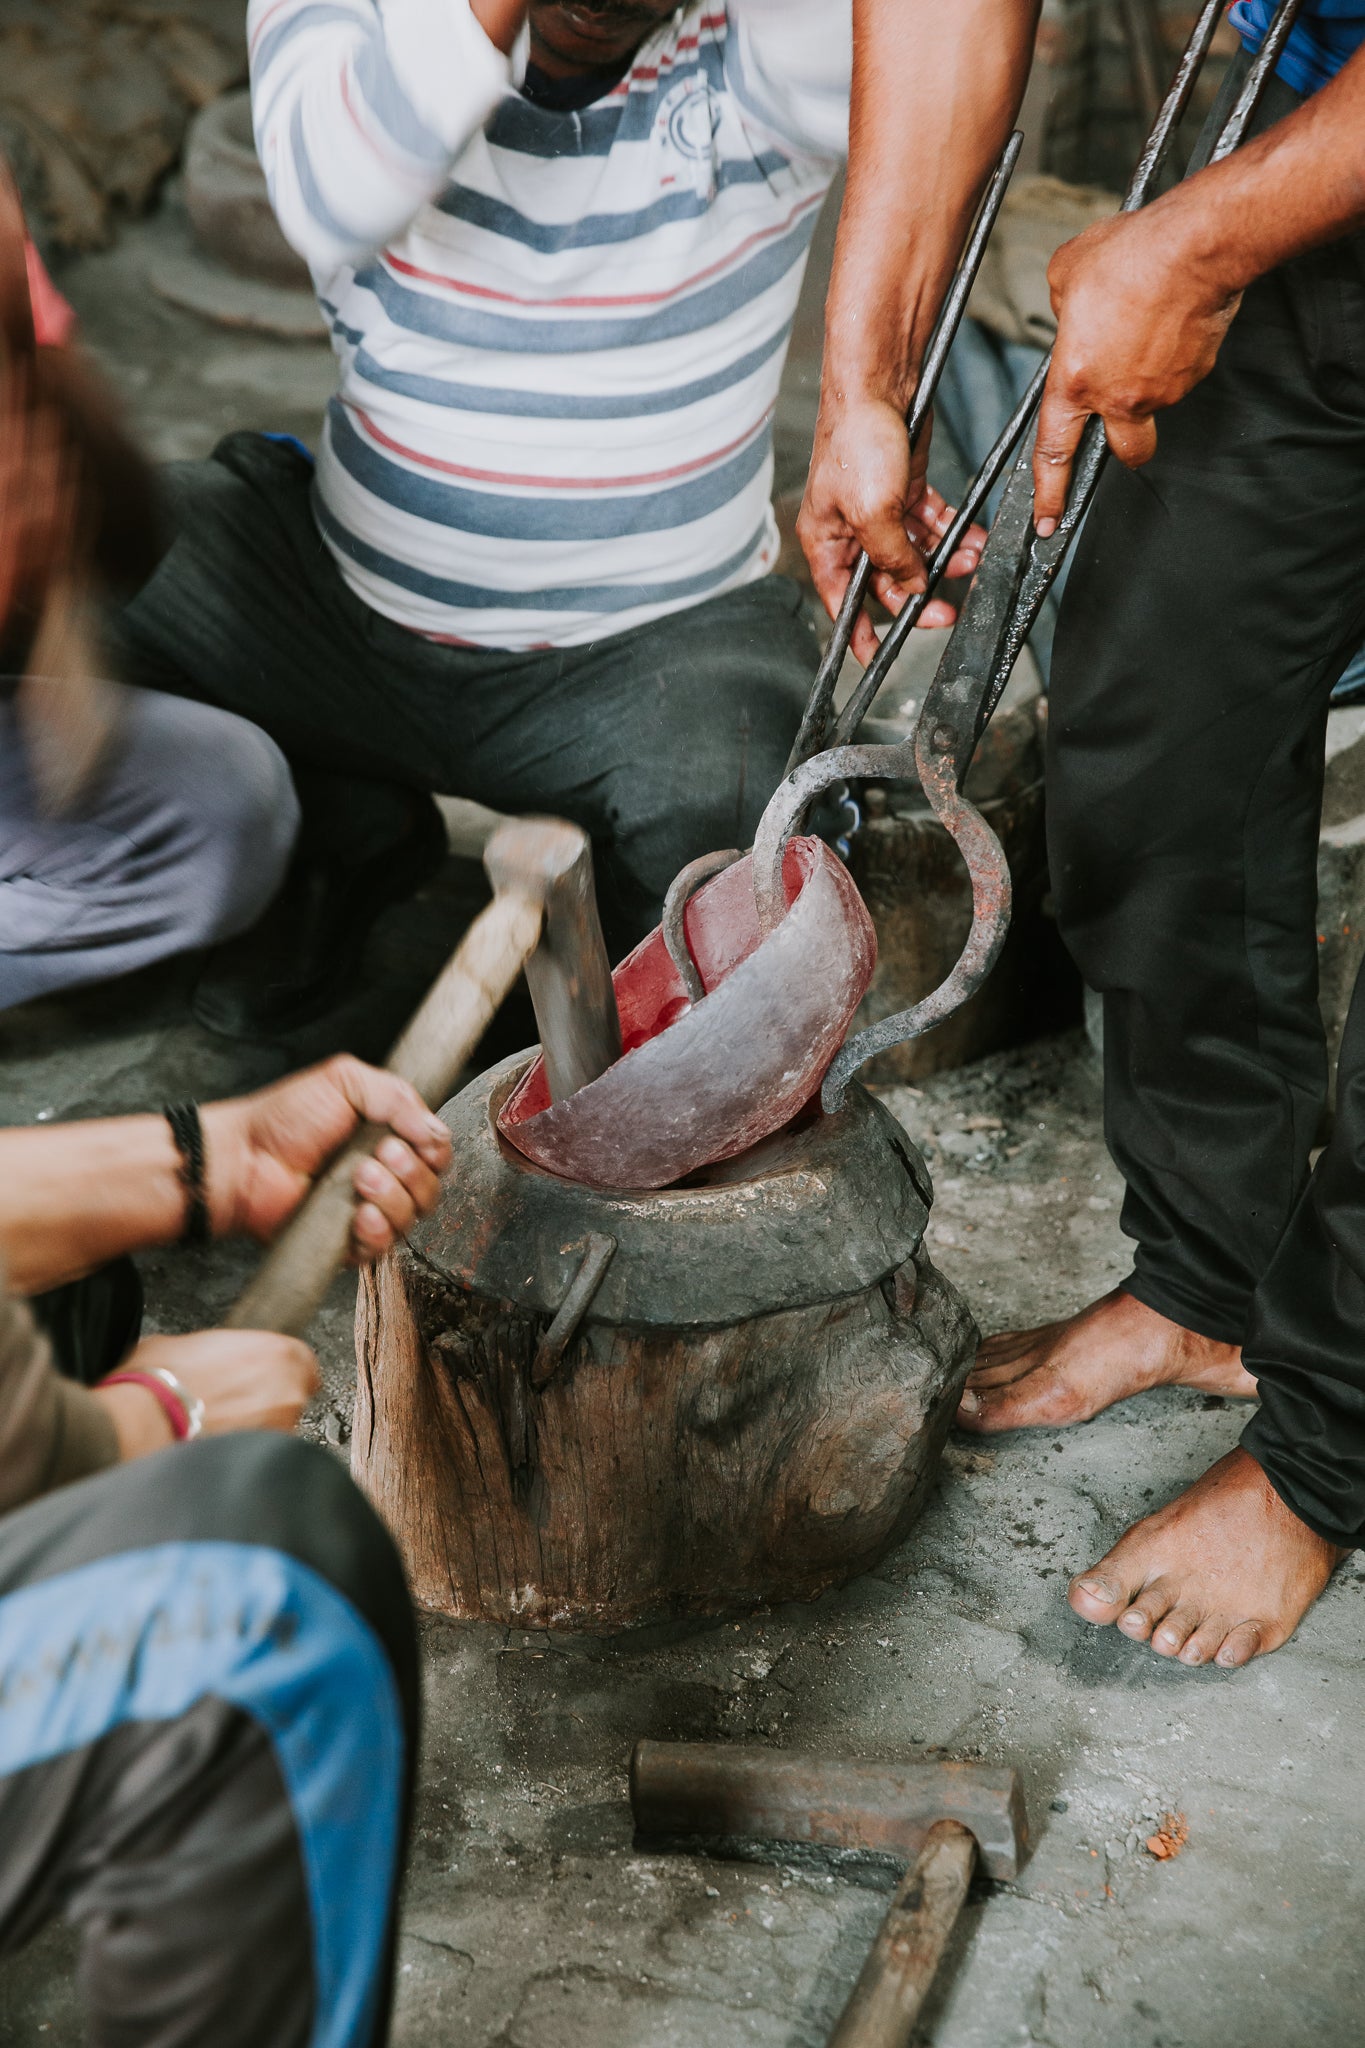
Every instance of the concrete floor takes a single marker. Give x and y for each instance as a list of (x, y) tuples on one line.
[(529, 1917)]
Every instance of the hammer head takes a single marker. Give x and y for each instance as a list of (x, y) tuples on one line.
[(569, 975), (718, 1792)]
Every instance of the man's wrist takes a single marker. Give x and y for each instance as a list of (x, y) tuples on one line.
[(140, 1423), (225, 1164)]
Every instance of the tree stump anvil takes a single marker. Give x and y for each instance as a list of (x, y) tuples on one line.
[(590, 1409)]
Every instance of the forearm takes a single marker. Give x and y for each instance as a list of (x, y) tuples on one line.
[(75, 1195), (1299, 184), (935, 92), (359, 114)]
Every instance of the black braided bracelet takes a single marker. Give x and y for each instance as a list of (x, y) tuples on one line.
[(188, 1132)]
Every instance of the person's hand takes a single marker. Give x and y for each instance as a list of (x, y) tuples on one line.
[(246, 1379), (1139, 322), (866, 490), (500, 20), (263, 1151)]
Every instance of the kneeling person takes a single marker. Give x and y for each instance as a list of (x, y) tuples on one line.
[(206, 1648), (185, 826)]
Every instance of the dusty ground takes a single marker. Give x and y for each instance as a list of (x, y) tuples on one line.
[(530, 1918)]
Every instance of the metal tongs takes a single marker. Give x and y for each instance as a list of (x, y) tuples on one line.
[(1016, 571)]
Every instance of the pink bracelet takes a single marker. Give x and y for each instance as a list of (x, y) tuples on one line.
[(183, 1410)]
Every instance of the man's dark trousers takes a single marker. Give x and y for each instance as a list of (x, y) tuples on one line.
[(663, 742), (1217, 595)]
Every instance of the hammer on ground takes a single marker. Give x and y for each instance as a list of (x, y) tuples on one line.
[(936, 1818), (543, 918)]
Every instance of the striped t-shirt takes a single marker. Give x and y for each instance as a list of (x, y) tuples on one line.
[(560, 334)]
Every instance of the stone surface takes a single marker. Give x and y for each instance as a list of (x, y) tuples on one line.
[(227, 198), (95, 97)]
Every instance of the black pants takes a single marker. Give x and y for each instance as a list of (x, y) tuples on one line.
[(663, 742), (208, 1717), (1216, 596)]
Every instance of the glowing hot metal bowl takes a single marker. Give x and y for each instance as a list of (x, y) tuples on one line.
[(699, 1082)]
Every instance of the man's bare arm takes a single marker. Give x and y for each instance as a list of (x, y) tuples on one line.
[(935, 92), (1143, 301), (74, 1195)]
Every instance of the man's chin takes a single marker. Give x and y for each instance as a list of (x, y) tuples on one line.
[(589, 41)]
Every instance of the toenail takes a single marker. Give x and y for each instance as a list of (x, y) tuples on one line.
[(1101, 1589), (1131, 1624), (970, 1402)]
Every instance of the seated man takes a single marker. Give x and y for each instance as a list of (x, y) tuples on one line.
[(207, 1656), (184, 832), (559, 248)]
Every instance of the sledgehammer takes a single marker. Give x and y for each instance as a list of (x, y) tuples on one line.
[(935, 1817), (543, 918)]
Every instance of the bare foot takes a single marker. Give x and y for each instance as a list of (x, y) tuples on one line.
[(1225, 1573), (1067, 1372)]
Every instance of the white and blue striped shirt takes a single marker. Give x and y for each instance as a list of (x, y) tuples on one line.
[(560, 334)]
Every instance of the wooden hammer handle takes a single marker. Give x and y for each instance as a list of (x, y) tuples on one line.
[(902, 1962), (297, 1271)]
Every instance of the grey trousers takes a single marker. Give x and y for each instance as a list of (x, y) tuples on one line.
[(183, 842), (663, 742)]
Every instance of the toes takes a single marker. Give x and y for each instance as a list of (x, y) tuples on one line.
[(1010, 1345), (1038, 1399), (1001, 1368), (1240, 1645), (1098, 1595), (1204, 1644), (1173, 1637), (987, 1410), (1148, 1608)]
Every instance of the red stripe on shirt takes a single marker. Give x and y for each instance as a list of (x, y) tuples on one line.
[(552, 483)]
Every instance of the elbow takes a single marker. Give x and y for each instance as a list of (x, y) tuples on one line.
[(308, 218)]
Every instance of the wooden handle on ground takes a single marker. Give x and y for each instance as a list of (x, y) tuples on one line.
[(903, 1960), (297, 1271)]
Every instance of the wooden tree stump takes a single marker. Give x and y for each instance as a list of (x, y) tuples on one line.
[(749, 1410)]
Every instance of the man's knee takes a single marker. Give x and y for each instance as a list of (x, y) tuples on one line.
[(289, 1495), (733, 677), (257, 1490), (233, 815)]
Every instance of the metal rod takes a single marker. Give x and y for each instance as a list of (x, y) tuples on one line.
[(815, 725), (1173, 107), (1142, 35), (1254, 84)]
